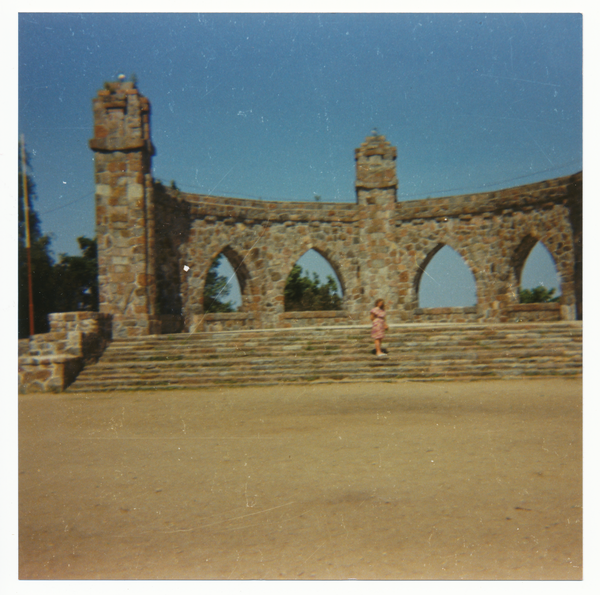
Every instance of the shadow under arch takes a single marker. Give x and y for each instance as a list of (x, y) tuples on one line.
[(422, 267)]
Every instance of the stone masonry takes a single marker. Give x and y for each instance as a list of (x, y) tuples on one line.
[(124, 207), (49, 362), (156, 244)]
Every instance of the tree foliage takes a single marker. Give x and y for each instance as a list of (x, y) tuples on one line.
[(303, 294), (66, 286), (77, 279), (216, 290), (42, 263), (537, 295)]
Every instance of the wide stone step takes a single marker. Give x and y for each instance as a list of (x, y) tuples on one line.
[(407, 357), (341, 360), (267, 380), (533, 363), (279, 338), (342, 339), (336, 355), (324, 346), (535, 366), (358, 332)]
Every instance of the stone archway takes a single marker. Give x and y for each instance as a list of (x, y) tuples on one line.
[(560, 248), (375, 245), (241, 271), (520, 256), (327, 263), (422, 267)]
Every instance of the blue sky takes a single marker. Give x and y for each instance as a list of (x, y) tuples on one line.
[(272, 105)]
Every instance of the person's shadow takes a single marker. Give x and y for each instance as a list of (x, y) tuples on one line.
[(373, 351)]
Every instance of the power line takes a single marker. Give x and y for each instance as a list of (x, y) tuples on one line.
[(243, 195), (423, 194), (505, 181), (68, 204)]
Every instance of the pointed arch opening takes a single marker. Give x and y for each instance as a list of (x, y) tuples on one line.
[(536, 272), (445, 281), (313, 285), (225, 283)]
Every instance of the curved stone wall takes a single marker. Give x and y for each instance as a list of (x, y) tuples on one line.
[(378, 247)]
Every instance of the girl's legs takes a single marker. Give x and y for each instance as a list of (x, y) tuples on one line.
[(378, 347)]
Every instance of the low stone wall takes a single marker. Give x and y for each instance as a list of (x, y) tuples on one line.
[(50, 362), (533, 313), (87, 322), (87, 334), (51, 373), (468, 314), (315, 318), (225, 321)]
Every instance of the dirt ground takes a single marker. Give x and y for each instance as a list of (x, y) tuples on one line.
[(440, 480)]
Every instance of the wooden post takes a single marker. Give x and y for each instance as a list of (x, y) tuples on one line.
[(27, 237)]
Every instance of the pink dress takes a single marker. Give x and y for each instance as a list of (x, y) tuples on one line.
[(378, 330)]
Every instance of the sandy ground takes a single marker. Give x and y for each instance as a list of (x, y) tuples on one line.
[(478, 480)]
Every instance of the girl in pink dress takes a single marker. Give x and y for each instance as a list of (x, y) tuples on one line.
[(379, 326)]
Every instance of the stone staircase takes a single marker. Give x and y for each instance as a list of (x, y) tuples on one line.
[(334, 354)]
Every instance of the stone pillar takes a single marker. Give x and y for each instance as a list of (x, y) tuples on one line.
[(376, 190), (124, 209)]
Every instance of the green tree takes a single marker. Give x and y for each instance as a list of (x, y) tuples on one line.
[(537, 295), (216, 289), (302, 294), (42, 274), (76, 279)]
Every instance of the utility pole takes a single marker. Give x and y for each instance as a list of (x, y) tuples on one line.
[(27, 238)]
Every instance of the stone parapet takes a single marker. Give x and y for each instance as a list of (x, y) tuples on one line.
[(48, 374), (223, 321), (316, 318), (51, 361), (87, 322), (539, 195), (125, 327), (551, 312), (221, 207), (457, 315)]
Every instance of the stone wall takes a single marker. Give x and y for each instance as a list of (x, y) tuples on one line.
[(223, 321), (264, 240), (319, 318), (378, 247), (456, 315), (51, 361), (535, 313)]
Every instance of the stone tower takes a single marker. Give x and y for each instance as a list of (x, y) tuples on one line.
[(124, 208), (376, 181), (376, 191)]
